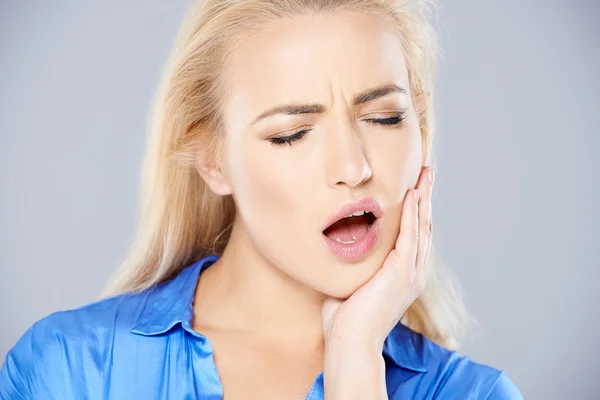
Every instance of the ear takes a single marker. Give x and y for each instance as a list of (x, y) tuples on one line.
[(212, 174)]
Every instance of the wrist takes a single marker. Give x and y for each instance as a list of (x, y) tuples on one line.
[(352, 343), (354, 372)]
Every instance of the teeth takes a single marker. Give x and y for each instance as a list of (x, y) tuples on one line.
[(349, 242), (356, 213)]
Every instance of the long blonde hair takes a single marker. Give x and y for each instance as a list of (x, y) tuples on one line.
[(181, 219)]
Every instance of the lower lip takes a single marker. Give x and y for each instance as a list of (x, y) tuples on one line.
[(359, 248)]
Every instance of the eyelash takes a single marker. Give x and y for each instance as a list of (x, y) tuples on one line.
[(393, 120)]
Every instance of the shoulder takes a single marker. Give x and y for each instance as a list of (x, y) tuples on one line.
[(448, 374), (456, 373), (505, 388), (97, 320), (56, 344)]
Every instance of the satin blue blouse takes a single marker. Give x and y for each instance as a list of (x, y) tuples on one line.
[(142, 346)]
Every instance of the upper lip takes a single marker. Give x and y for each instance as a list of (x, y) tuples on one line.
[(367, 204)]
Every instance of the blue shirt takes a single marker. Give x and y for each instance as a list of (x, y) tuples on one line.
[(142, 346)]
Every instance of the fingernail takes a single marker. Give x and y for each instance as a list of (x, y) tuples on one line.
[(431, 176), (416, 194)]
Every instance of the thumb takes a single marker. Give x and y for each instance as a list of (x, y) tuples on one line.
[(330, 306)]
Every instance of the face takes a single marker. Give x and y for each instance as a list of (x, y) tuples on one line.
[(344, 139)]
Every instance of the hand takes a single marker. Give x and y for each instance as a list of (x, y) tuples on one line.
[(370, 313)]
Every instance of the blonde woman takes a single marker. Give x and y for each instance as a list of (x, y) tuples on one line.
[(286, 224)]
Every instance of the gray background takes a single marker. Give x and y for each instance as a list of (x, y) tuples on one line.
[(517, 192)]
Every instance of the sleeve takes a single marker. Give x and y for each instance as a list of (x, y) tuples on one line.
[(505, 389), (34, 366), (14, 383)]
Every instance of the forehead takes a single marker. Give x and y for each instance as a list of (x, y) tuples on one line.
[(312, 57)]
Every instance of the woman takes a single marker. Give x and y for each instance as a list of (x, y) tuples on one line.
[(286, 224)]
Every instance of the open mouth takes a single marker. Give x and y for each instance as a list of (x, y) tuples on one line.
[(352, 228)]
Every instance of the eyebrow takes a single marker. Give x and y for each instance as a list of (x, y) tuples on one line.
[(361, 98)]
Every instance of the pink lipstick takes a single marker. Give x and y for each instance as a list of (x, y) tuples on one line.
[(352, 231)]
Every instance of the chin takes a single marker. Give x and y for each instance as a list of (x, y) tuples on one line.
[(346, 279), (341, 292)]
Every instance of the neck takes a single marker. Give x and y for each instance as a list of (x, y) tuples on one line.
[(243, 291)]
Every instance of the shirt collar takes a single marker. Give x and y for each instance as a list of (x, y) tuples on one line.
[(171, 302), (404, 347)]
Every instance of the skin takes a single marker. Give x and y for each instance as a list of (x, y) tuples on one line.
[(278, 306)]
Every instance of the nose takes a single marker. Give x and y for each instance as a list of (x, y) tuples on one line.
[(346, 162)]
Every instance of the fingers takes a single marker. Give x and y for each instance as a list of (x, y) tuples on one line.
[(412, 245), (402, 269), (408, 238), (425, 187), (330, 306)]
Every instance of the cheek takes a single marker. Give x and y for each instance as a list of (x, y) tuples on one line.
[(397, 166), (397, 163), (272, 202), (266, 195), (258, 188)]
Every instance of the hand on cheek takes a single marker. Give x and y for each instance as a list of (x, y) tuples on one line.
[(371, 312)]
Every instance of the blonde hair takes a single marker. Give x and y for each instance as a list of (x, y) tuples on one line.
[(182, 220)]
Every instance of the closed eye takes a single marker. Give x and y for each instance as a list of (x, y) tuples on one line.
[(281, 140), (392, 120)]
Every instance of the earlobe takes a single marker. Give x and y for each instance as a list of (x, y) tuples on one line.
[(213, 176), (221, 184)]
